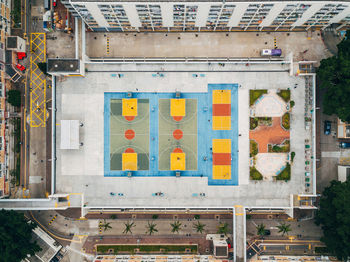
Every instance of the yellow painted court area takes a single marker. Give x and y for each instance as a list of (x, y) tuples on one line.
[(129, 107), (129, 161), (221, 122), (178, 161), (221, 172), (221, 96), (178, 107), (221, 145)]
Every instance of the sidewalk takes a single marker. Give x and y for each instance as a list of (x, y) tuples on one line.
[(234, 44)]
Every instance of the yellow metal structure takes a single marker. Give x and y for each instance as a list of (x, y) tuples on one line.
[(129, 107), (177, 107), (178, 161), (37, 80)]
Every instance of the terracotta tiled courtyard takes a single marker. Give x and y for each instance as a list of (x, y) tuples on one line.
[(264, 135)]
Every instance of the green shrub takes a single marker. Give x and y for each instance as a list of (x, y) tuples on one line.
[(322, 250), (113, 216), (155, 216), (292, 103), (248, 216), (255, 94), (285, 95), (285, 174), (267, 121), (253, 123), (286, 121), (253, 148), (255, 174), (197, 216), (284, 147), (277, 149), (292, 155)]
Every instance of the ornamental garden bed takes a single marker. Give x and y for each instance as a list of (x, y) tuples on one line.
[(138, 249)]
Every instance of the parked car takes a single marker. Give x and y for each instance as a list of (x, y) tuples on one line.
[(271, 52), (344, 144), (327, 127), (21, 67)]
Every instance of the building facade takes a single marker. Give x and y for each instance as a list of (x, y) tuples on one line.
[(208, 16), (5, 27)]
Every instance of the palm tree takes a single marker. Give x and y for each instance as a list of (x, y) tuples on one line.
[(223, 228), (176, 226), (128, 227), (105, 225), (284, 228), (199, 227), (261, 230), (151, 228)]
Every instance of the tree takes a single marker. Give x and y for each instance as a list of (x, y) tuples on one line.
[(15, 237), (14, 97), (199, 227), (106, 226), (333, 216), (175, 227), (223, 228), (151, 228), (284, 228), (334, 76), (128, 227), (261, 230)]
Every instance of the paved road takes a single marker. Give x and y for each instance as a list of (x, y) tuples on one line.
[(75, 232), (305, 229), (328, 150)]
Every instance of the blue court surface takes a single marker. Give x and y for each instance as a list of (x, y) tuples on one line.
[(150, 146)]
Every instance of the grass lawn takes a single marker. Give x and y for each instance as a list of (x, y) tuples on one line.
[(103, 249), (255, 174), (255, 94), (253, 148), (285, 174), (283, 148), (285, 95), (286, 121), (253, 123)]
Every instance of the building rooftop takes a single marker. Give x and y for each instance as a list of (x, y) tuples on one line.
[(229, 1), (57, 65), (83, 170), (11, 42)]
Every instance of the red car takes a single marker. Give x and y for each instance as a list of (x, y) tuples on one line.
[(21, 55), (21, 67)]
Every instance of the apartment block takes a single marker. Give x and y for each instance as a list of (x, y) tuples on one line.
[(208, 16)]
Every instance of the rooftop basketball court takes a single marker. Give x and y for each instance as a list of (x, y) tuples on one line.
[(176, 134), (173, 134)]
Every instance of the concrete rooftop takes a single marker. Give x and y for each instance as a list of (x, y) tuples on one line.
[(81, 171)]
